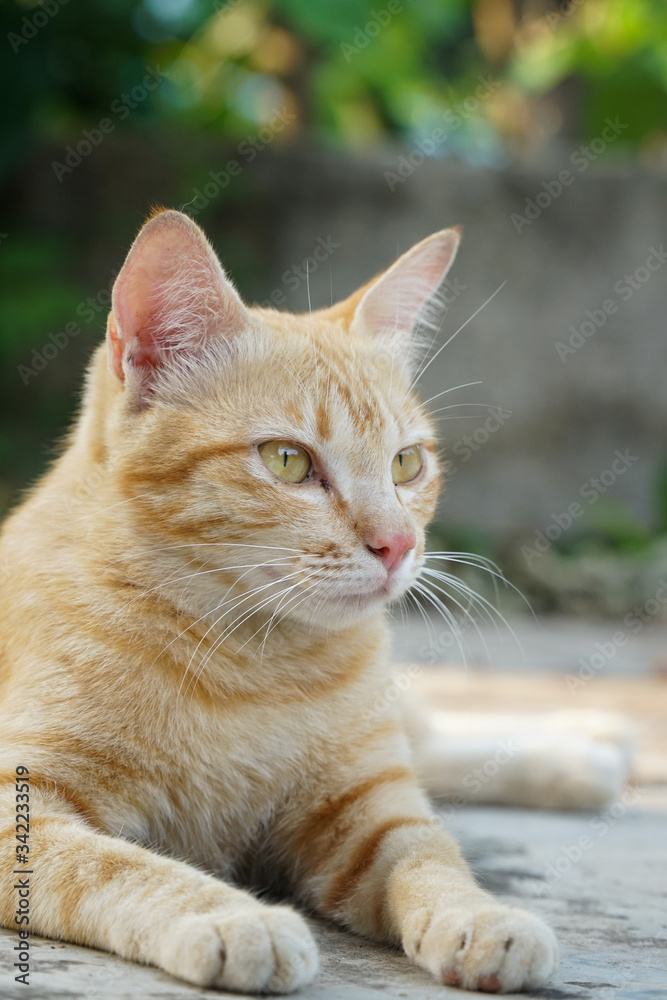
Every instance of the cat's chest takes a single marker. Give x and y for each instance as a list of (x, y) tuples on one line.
[(228, 771)]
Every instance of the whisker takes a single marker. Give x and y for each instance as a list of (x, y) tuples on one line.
[(239, 601), (401, 605), (205, 572), (463, 588), (486, 566), (465, 555), (293, 587), (456, 406), (444, 611), (430, 630), (190, 545), (294, 376), (237, 624), (207, 615), (459, 416), (236, 605), (85, 517), (306, 594), (462, 327), (464, 385), (283, 616), (269, 627), (422, 362)]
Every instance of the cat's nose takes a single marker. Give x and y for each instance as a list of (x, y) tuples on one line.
[(391, 548)]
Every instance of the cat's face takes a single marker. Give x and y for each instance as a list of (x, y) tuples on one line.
[(286, 456)]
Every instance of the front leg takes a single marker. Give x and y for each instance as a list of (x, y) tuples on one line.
[(374, 857), (460, 933), (97, 890)]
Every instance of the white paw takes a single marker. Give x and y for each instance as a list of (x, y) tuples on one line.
[(586, 774), (487, 947), (246, 949), (597, 724)]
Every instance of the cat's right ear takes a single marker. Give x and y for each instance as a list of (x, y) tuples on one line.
[(170, 297), (404, 297)]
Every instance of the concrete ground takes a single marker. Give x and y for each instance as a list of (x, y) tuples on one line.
[(608, 905)]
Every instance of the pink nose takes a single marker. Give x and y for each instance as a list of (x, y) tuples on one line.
[(391, 549)]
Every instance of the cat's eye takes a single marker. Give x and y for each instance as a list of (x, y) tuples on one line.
[(407, 465), (288, 460)]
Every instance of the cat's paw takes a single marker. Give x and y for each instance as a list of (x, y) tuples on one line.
[(588, 775), (491, 948), (246, 949)]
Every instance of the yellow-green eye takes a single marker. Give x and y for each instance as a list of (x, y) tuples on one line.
[(407, 465), (289, 461)]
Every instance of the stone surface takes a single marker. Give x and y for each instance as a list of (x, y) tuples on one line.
[(609, 910)]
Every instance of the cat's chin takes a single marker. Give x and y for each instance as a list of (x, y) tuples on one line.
[(341, 618), (347, 610)]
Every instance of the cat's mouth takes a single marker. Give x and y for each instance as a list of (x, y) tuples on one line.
[(327, 597), (389, 590)]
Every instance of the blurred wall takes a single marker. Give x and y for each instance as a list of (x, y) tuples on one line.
[(580, 263), (573, 349)]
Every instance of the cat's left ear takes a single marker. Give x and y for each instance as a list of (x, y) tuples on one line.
[(170, 298), (404, 295)]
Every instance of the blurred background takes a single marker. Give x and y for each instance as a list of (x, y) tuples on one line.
[(316, 139)]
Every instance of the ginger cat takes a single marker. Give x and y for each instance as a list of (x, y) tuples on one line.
[(193, 630)]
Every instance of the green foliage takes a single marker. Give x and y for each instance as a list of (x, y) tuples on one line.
[(610, 526), (354, 71), (38, 299)]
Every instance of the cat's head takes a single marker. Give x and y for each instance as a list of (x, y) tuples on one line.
[(289, 451)]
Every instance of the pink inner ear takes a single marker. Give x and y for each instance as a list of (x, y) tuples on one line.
[(171, 296), (394, 302), (143, 298)]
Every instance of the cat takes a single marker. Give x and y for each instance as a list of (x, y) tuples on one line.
[(193, 629)]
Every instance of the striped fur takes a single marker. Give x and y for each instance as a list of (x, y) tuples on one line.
[(187, 722)]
